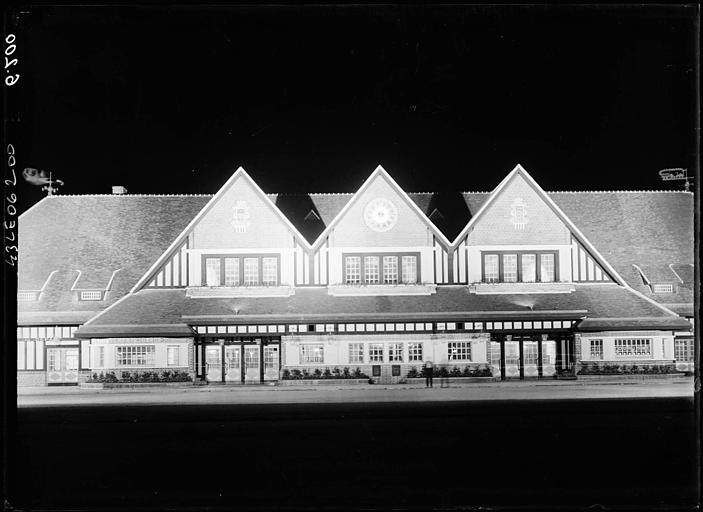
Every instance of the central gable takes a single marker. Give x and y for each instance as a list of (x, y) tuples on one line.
[(381, 215), (242, 217), (518, 215)]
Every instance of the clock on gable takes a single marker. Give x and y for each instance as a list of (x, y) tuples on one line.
[(380, 214)]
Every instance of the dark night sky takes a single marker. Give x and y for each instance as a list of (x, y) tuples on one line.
[(172, 100)]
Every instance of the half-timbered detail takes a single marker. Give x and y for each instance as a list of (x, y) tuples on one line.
[(243, 287)]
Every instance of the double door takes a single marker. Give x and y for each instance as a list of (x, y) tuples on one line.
[(241, 363), (62, 365), (519, 359)]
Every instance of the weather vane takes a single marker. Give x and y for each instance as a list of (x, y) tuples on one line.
[(37, 177), (676, 173)]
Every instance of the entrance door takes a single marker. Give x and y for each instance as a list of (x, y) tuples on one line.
[(271, 362), (549, 358), (213, 363), (512, 359), (233, 364), (62, 365), (530, 356), (251, 364)]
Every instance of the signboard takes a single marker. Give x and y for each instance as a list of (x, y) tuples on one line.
[(673, 174)]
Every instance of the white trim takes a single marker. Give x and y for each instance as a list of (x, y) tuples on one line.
[(108, 309), (564, 218), (240, 172), (112, 277), (644, 276), (671, 267), (32, 207), (379, 171), (76, 281), (658, 304)]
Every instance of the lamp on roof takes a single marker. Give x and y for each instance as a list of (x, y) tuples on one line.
[(41, 177), (675, 174)]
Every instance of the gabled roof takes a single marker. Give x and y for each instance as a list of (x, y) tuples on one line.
[(240, 173), (171, 308), (381, 172), (95, 235)]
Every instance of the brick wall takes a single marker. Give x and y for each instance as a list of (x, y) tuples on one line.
[(31, 378)]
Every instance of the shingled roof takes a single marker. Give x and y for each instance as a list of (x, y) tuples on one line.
[(100, 234), (171, 311)]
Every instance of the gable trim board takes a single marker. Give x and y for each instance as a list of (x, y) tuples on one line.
[(240, 172), (380, 171), (519, 170)]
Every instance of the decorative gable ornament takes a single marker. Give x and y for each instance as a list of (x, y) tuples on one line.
[(380, 214), (240, 218), (518, 213)]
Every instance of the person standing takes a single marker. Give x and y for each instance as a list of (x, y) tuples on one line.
[(429, 373)]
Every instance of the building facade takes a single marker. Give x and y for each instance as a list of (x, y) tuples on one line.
[(244, 287)]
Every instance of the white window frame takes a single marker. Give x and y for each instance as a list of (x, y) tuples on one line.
[(395, 352), (459, 351), (633, 348), (135, 355), (173, 356), (356, 353), (312, 353), (596, 349), (376, 352), (415, 351), (372, 270), (352, 269), (390, 270)]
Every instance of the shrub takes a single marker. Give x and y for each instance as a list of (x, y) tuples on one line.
[(345, 372), (327, 374), (413, 373)]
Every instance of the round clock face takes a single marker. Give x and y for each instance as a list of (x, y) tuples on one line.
[(380, 214)]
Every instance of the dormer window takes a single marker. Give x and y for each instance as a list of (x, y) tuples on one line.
[(312, 215), (375, 269), (663, 288), (27, 296), (91, 295), (241, 270), (520, 267)]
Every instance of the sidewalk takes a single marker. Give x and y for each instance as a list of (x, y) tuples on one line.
[(261, 394)]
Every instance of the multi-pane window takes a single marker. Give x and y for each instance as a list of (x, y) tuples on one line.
[(459, 351), (596, 349), (663, 288), (490, 268), (251, 271), (352, 270), (374, 269), (640, 347), (530, 353), (269, 271), (212, 271), (356, 353), (136, 355), (409, 269), (172, 354), (510, 268), (390, 270), (371, 270), (92, 295), (415, 352), (231, 271), (313, 353), (395, 352), (98, 357), (240, 270), (376, 352), (546, 267), (529, 268), (683, 349), (522, 267)]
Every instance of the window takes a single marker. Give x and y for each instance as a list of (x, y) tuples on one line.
[(374, 269), (596, 349), (547, 268), (92, 295), (459, 351), (490, 268), (172, 354), (240, 270), (356, 353), (390, 270), (414, 351), (232, 272), (371, 270), (136, 355), (251, 271), (311, 354), (270, 271), (633, 348), (510, 268), (212, 269), (529, 352), (663, 288), (395, 352), (409, 269), (352, 270), (529, 268), (523, 267), (99, 357), (683, 349), (375, 352), (26, 296)]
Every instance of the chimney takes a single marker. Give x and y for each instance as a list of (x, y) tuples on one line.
[(118, 190)]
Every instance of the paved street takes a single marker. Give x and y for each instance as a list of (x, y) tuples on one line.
[(373, 448), (526, 390)]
